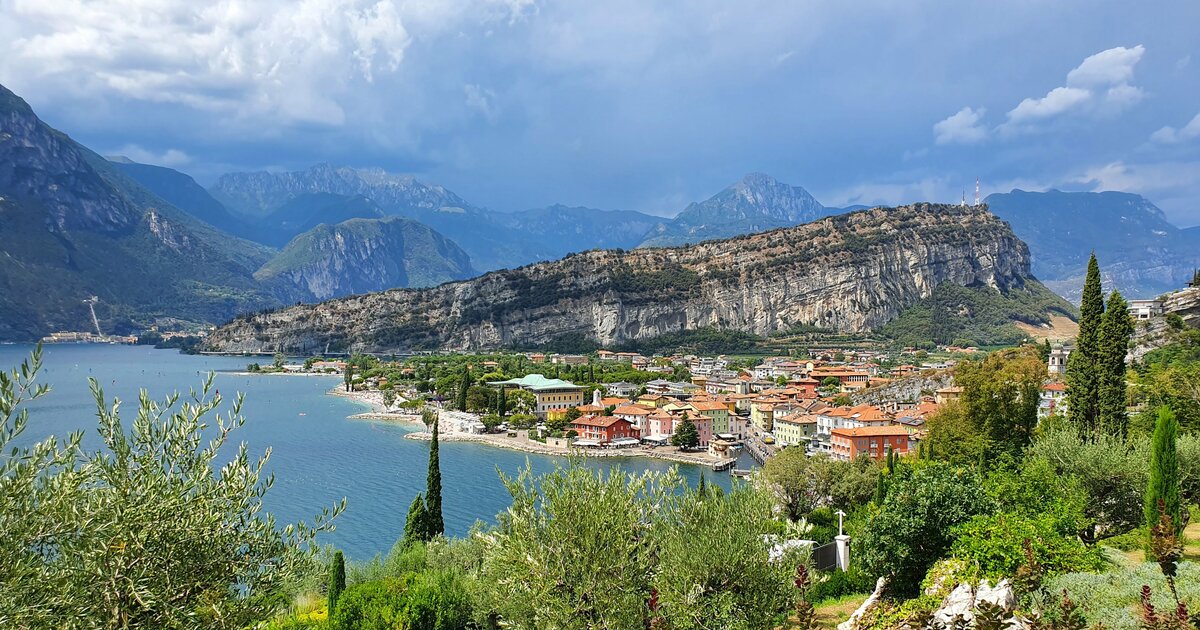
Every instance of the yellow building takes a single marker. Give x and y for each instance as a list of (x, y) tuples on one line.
[(554, 396), (793, 428)]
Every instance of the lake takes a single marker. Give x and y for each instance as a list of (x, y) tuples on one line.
[(318, 455)]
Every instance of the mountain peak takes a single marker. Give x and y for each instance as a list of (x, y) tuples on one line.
[(757, 180)]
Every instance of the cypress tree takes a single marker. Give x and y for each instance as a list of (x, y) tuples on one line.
[(891, 460), (463, 386), (1082, 374), (337, 580), (921, 449), (501, 403), (416, 527), (433, 491), (703, 489), (1164, 471), (1115, 331), (880, 489)]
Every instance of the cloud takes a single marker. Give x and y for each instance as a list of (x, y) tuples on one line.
[(1109, 67), (171, 157), (1151, 179), (284, 59), (963, 127), (481, 99), (1171, 135), (1055, 102), (1099, 86)]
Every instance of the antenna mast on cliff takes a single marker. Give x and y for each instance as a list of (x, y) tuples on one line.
[(964, 198), (976, 192)]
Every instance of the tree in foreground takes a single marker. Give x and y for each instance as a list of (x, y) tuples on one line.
[(1082, 371), (415, 525), (149, 531), (1111, 400), (1162, 493), (913, 528), (337, 580), (588, 549), (434, 525)]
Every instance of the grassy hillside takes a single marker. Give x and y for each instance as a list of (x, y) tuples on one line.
[(975, 315)]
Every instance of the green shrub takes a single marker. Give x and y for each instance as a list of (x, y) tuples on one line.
[(994, 544), (1111, 598), (378, 605), (913, 528), (840, 583)]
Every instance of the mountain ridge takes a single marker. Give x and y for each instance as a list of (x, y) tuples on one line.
[(853, 272)]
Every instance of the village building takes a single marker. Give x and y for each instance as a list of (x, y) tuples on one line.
[(1052, 400), (716, 412), (603, 430), (623, 389), (552, 394), (947, 394), (849, 444), (1143, 310), (1057, 363), (793, 428)]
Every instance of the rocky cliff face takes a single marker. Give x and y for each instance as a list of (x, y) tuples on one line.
[(362, 255), (41, 165), (852, 272)]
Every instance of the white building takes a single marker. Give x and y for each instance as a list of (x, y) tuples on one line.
[(1057, 363), (1146, 309)]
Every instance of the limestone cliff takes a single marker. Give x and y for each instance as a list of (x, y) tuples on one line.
[(853, 272)]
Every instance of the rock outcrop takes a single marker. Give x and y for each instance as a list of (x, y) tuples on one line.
[(853, 273), (363, 255), (1155, 333)]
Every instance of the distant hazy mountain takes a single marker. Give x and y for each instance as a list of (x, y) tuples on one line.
[(1140, 252), (74, 226), (563, 229), (307, 211), (488, 241), (181, 191), (362, 255), (756, 203)]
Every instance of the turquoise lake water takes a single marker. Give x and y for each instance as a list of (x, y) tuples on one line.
[(318, 455)]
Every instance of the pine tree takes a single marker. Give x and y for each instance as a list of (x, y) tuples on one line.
[(686, 436), (1115, 331), (461, 394), (337, 580), (1164, 471), (433, 491), (1046, 349), (1082, 374), (416, 527), (348, 375)]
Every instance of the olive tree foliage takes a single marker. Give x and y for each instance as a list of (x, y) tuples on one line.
[(803, 483), (735, 587), (1111, 471), (588, 549), (149, 531)]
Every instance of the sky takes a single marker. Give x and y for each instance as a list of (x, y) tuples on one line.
[(634, 104)]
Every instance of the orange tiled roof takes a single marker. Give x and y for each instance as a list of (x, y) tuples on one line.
[(883, 431)]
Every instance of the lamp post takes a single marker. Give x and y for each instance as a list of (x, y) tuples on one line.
[(843, 545)]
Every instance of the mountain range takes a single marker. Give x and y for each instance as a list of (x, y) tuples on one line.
[(156, 247), (1139, 251), (851, 273)]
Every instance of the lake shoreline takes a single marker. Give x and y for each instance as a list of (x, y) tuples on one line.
[(521, 442)]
